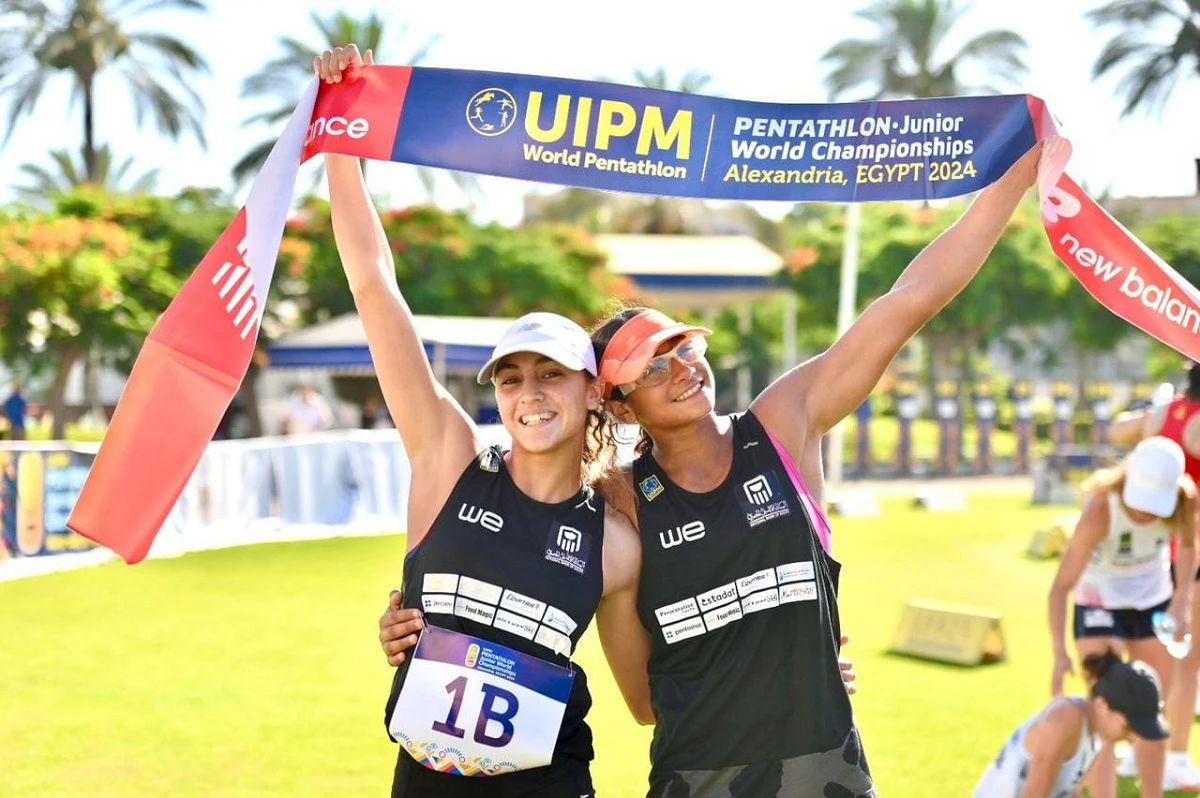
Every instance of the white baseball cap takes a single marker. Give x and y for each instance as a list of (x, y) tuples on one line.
[(1152, 476), (549, 334)]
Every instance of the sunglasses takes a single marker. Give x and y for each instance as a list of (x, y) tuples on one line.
[(690, 350)]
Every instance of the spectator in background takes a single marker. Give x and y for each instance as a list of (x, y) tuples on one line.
[(308, 412), (14, 410), (375, 415)]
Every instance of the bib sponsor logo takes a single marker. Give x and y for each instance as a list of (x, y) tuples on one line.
[(677, 611), (651, 486), (683, 630), (758, 490), (795, 571), (557, 642), (438, 603), (762, 499), (440, 583), (722, 616), (474, 610), (754, 582), (518, 625), (798, 591), (763, 600), (557, 619), (568, 546), (481, 591), (678, 535), (472, 655), (530, 608), (717, 597), (484, 518)]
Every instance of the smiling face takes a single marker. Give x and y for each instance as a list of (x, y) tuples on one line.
[(686, 395), (543, 404)]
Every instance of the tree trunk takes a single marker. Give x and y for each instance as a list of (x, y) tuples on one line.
[(90, 164), (67, 359), (249, 391)]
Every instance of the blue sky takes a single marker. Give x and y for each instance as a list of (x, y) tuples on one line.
[(755, 50)]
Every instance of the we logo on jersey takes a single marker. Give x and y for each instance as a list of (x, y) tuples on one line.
[(678, 535), (477, 515), (238, 286)]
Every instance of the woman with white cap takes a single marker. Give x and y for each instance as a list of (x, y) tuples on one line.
[(1051, 755), (509, 553), (1118, 566)]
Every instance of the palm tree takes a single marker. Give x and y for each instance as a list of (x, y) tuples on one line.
[(1153, 65), (86, 38), (691, 83), (110, 175), (907, 58), (283, 78)]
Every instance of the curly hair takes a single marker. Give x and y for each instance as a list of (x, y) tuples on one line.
[(599, 447), (602, 333)]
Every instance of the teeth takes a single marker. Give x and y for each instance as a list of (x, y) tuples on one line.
[(690, 392), (536, 418)]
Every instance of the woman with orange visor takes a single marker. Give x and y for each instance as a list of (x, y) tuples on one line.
[(736, 617)]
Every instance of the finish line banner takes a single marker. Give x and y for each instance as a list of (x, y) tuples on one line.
[(591, 135)]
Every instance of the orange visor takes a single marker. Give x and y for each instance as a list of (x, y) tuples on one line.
[(632, 347)]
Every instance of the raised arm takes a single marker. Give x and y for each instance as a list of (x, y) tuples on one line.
[(817, 394), (439, 438)]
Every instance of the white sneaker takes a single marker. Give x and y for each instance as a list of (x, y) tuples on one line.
[(1181, 776)]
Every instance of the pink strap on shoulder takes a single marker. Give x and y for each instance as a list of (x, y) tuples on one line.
[(815, 513)]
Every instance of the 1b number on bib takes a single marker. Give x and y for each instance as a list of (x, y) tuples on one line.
[(475, 708)]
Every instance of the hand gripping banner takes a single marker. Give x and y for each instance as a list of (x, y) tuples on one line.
[(592, 135)]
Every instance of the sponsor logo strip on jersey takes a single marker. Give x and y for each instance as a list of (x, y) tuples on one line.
[(529, 607), (480, 591), (677, 611), (795, 571), (517, 624), (761, 590)]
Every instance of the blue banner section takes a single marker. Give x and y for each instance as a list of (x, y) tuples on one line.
[(453, 648), (622, 138)]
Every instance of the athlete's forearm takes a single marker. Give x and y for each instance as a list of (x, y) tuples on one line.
[(361, 242), (1057, 611)]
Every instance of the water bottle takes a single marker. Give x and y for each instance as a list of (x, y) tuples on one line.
[(1164, 628)]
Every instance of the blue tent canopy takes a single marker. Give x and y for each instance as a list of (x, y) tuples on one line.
[(452, 343)]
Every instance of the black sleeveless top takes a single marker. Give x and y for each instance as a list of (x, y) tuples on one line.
[(740, 599), (501, 566)]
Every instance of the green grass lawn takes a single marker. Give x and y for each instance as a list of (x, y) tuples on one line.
[(256, 671)]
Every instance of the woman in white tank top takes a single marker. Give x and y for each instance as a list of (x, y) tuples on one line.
[(1118, 566), (1051, 754)]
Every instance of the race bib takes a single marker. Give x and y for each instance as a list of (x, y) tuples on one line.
[(476, 708)]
